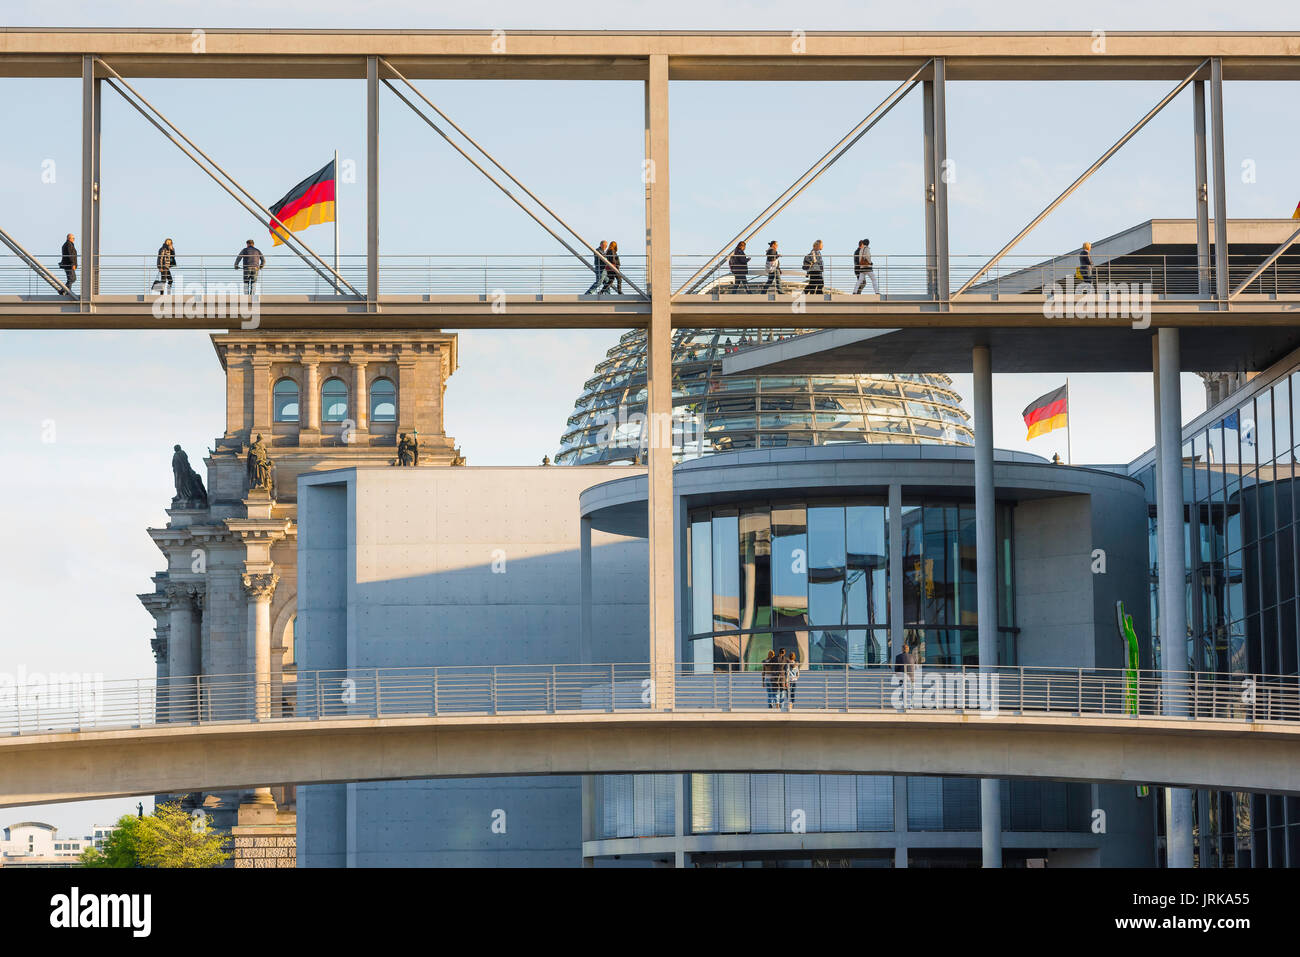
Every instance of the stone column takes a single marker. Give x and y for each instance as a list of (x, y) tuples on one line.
[(159, 646), (361, 398), (260, 588), (262, 414), (309, 414), (181, 687)]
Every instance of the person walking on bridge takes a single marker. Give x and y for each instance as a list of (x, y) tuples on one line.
[(862, 268), (598, 267), (773, 266), (739, 264), (252, 261), (69, 261), (1087, 270), (612, 274), (166, 260), (812, 265)]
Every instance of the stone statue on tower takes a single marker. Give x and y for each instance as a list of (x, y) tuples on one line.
[(259, 466), (189, 487)]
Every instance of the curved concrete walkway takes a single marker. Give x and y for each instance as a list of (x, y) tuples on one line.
[(1202, 753)]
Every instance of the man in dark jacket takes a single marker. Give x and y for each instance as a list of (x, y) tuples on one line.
[(598, 267), (166, 260), (812, 265), (69, 261), (1087, 271), (740, 267), (252, 260)]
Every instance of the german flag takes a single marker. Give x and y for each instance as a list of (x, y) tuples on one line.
[(1047, 413), (1296, 214), (308, 203)]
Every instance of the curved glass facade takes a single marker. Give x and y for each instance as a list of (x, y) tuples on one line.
[(716, 413), (813, 577)]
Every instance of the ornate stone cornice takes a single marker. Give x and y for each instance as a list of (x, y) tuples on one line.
[(260, 587)]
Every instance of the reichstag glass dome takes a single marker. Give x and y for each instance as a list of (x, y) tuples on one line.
[(716, 413)]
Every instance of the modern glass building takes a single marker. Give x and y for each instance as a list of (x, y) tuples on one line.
[(1243, 613), (812, 576), (713, 413), (804, 564)]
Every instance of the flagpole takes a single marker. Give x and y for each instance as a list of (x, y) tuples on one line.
[(336, 210), (1069, 450)]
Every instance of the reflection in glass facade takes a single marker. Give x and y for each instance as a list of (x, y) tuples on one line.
[(1240, 547), (716, 414), (813, 578)]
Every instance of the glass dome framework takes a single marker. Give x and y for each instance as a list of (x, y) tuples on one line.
[(717, 413)]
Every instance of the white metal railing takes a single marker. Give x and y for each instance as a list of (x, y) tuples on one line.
[(85, 703), (898, 276), (286, 274)]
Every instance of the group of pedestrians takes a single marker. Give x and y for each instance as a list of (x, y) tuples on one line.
[(780, 677), (250, 259), (605, 264), (814, 267)]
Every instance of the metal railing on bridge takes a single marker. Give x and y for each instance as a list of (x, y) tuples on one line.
[(287, 275), (912, 277), (61, 703), (899, 277)]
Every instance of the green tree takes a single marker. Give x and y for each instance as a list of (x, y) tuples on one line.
[(166, 838), (171, 838), (121, 848)]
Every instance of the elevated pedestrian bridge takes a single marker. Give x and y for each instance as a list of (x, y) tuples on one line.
[(66, 738)]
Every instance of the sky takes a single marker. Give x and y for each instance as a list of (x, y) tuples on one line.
[(91, 417)]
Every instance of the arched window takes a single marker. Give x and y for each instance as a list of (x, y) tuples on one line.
[(284, 397), (383, 401), (334, 400)]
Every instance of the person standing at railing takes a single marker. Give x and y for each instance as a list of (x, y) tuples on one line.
[(862, 268), (166, 260), (69, 261), (769, 677), (791, 676), (782, 676), (739, 264), (598, 267), (773, 268), (1087, 271), (612, 275), (812, 265), (252, 261)]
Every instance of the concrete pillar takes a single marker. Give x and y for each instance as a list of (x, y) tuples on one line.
[(900, 820), (895, 571), (87, 242), (935, 139), (1220, 183), (181, 686), (584, 559), (1173, 574), (1202, 190), (659, 404), (986, 579), (260, 587), (372, 181)]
